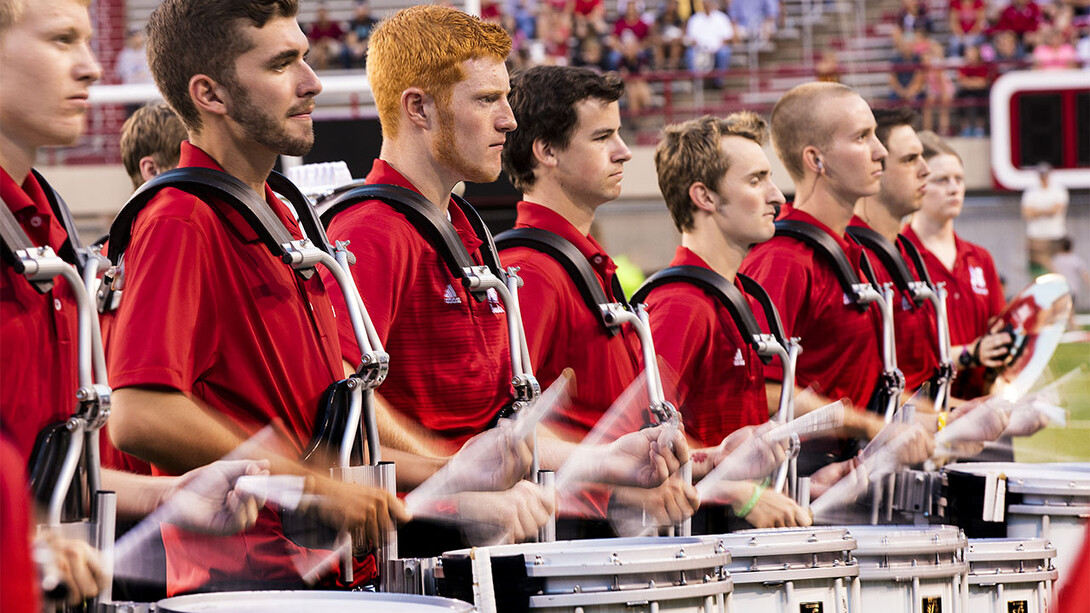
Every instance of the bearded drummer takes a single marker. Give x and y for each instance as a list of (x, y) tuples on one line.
[(824, 133), (441, 88), (215, 337)]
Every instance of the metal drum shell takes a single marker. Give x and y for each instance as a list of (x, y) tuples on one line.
[(296, 601), (904, 569), (1010, 574), (793, 569), (663, 573)]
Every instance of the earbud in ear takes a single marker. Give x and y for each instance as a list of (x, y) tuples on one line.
[(820, 165)]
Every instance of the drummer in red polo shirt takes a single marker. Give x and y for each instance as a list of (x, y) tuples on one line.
[(716, 181), (824, 135), (216, 338)]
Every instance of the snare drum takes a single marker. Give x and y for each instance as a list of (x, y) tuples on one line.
[(793, 570), (1034, 501), (911, 569), (622, 575), (1010, 575), (295, 601)]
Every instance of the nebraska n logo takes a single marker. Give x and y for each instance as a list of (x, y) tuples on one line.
[(451, 296)]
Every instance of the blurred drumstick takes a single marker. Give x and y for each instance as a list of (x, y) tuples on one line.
[(825, 419)]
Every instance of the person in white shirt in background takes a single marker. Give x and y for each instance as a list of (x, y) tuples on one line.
[(1044, 207), (709, 34)]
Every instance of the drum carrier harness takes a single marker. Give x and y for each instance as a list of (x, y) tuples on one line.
[(773, 344)]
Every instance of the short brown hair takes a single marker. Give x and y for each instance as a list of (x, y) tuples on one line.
[(424, 46), (690, 153), (543, 99), (12, 10), (152, 130), (933, 146), (190, 37), (887, 119), (795, 125)]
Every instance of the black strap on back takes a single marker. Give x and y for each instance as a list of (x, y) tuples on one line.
[(889, 257), (206, 183), (917, 259), (574, 263), (721, 289), (772, 316), (822, 242), (428, 221), (72, 250)]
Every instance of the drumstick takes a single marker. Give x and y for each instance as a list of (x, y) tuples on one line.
[(828, 417)]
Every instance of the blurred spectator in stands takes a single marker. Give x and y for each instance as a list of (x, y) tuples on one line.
[(1003, 52), (912, 17), (669, 33), (1067, 263), (151, 142), (1022, 17), (633, 66), (131, 65), (906, 80), (939, 89), (630, 30), (1054, 52), (556, 35), (525, 15), (590, 53), (491, 11), (754, 19), (827, 68), (709, 35), (354, 54), (589, 19), (1082, 49), (1044, 207), (967, 24), (974, 80), (326, 39)]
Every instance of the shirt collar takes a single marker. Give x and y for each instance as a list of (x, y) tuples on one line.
[(531, 215), (193, 156), (851, 249), (383, 172), (30, 206), (686, 257)]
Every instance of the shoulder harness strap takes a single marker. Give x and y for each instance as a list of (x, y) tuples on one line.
[(427, 220), (917, 259), (860, 293), (722, 290), (890, 258), (72, 251), (574, 263)]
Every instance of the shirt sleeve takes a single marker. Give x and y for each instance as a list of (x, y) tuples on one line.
[(385, 269), (166, 332)]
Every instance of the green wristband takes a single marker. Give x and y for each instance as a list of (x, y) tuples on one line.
[(758, 489)]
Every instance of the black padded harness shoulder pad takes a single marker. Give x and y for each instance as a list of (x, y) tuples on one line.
[(427, 220), (888, 255), (823, 243), (917, 259), (206, 182), (573, 262), (13, 238), (726, 293)]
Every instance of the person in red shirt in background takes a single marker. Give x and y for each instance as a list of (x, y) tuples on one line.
[(967, 24), (824, 134), (1022, 17), (568, 158), (716, 180), (974, 82), (975, 296), (326, 38)]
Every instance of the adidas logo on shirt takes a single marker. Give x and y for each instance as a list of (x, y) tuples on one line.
[(494, 300), (451, 296), (847, 300), (739, 359)]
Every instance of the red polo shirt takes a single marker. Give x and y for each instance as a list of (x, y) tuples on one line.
[(840, 344), (913, 326), (450, 370), (974, 297), (39, 333), (19, 579), (720, 377), (209, 312), (561, 330)]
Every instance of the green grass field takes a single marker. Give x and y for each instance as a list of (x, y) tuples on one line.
[(1072, 443)]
